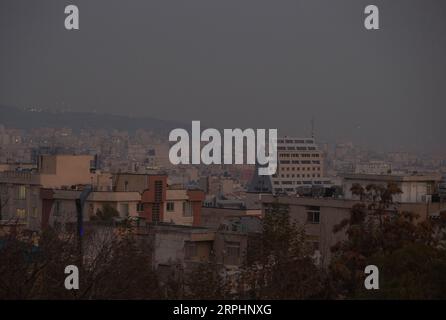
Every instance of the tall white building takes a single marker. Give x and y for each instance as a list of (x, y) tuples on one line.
[(300, 168), (300, 165)]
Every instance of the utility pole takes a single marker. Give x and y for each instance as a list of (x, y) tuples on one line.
[(80, 218)]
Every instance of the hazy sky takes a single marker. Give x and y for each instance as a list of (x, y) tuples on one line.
[(238, 63)]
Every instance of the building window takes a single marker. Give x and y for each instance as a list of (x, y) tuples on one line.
[(190, 250), (21, 193), (20, 214), (140, 207), (158, 191), (187, 210), (57, 209), (170, 206), (313, 215), (155, 212), (428, 188), (34, 212), (124, 209), (232, 253)]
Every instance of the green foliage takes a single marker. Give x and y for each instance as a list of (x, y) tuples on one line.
[(106, 214), (377, 233), (205, 282), (116, 268), (279, 266), (415, 271)]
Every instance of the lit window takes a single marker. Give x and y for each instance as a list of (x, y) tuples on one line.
[(22, 193), (21, 213), (34, 212)]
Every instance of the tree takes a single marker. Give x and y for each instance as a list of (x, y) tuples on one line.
[(27, 268), (106, 214), (375, 228), (121, 269), (205, 282), (118, 267), (279, 264), (414, 271), (4, 199)]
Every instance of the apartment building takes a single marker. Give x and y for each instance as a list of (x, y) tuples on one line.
[(373, 167), (186, 246), (300, 167), (152, 188), (183, 206), (319, 216), (46, 196), (59, 206), (20, 199), (214, 217), (415, 187)]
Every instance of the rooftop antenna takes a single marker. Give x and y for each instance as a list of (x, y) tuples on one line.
[(312, 127)]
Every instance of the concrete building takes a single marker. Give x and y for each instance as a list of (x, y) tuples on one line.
[(300, 164), (152, 188), (20, 199), (65, 171), (300, 168), (373, 167), (59, 206), (160, 203), (214, 217), (415, 187), (20, 190), (185, 246), (17, 167), (183, 207), (318, 216)]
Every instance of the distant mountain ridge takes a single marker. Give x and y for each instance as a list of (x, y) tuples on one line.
[(12, 117)]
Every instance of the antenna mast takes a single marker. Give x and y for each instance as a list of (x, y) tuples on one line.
[(312, 127)]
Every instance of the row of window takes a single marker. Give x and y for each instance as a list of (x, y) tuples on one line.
[(186, 210), (313, 213), (231, 257), (308, 175), (300, 162), (22, 214), (295, 182), (295, 141), (296, 148), (299, 169), (297, 155)]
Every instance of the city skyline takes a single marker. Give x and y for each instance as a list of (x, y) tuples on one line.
[(237, 64)]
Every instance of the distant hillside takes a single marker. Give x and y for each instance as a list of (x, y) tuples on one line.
[(27, 119)]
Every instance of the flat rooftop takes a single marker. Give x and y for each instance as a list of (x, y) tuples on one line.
[(394, 177)]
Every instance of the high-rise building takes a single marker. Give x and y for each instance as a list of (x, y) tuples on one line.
[(300, 166)]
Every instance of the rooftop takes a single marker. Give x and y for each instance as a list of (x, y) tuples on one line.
[(394, 177)]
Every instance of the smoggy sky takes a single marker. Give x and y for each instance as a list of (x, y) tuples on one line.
[(238, 63)]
